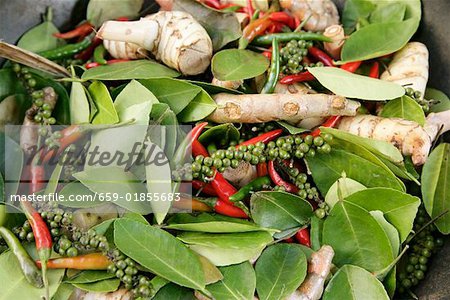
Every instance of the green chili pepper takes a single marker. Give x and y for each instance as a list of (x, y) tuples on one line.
[(272, 80), (66, 51), (29, 268), (99, 55), (254, 185), (286, 37)]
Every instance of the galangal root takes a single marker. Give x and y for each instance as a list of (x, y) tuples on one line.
[(409, 68), (260, 108), (173, 37), (319, 13), (318, 270), (124, 50), (337, 35)]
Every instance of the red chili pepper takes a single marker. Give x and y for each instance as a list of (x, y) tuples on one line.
[(289, 240), (42, 237), (375, 70), (252, 30), (302, 77), (351, 66), (283, 17), (198, 149), (108, 62), (268, 54), (37, 175), (303, 238), (91, 261), (69, 135), (212, 3), (330, 122), (297, 22), (87, 53), (223, 208), (261, 169), (264, 138), (278, 180), (250, 9), (81, 31), (123, 19), (321, 56), (206, 188)]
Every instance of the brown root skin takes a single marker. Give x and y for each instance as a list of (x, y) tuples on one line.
[(409, 67), (336, 34), (318, 270), (408, 136), (321, 14), (240, 176), (123, 50), (259, 108), (29, 131)]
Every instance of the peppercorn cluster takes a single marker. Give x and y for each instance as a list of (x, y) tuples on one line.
[(416, 95), (283, 148), (70, 241), (44, 112), (292, 55), (422, 247)]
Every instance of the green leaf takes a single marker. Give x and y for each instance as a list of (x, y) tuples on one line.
[(99, 11), (399, 208), (158, 283), (430, 94), (379, 148), (378, 39), (227, 248), (237, 64), (135, 102), (64, 292), (212, 273), (291, 128), (11, 164), (14, 284), (90, 276), (221, 27), (346, 230), (114, 185), (210, 223), (40, 37), (405, 108), (136, 69), (159, 182), (199, 108), (354, 10), (79, 104), (78, 189), (342, 188), (389, 229), (279, 210), (353, 283), (106, 112), (9, 85), (213, 89), (356, 167), (103, 286), (390, 282), (162, 114), (53, 181), (388, 12), (238, 283), (221, 135), (174, 292), (436, 186), (280, 270), (159, 252), (350, 85), (176, 93)]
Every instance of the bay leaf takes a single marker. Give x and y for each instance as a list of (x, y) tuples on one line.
[(160, 252), (238, 283), (433, 94), (79, 104), (405, 108), (106, 114), (350, 85), (436, 186), (237, 64), (199, 108), (174, 292), (102, 286), (280, 270), (90, 276), (135, 69)]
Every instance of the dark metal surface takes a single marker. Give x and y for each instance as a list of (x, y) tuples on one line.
[(16, 16)]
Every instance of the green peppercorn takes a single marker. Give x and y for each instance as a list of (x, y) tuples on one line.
[(419, 274), (16, 68), (406, 283), (318, 141), (27, 76), (426, 253), (31, 82), (311, 153), (409, 268), (72, 252), (320, 213), (120, 273), (121, 264), (217, 163), (234, 163), (55, 231), (413, 260), (208, 161), (65, 244), (308, 139), (112, 268)]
